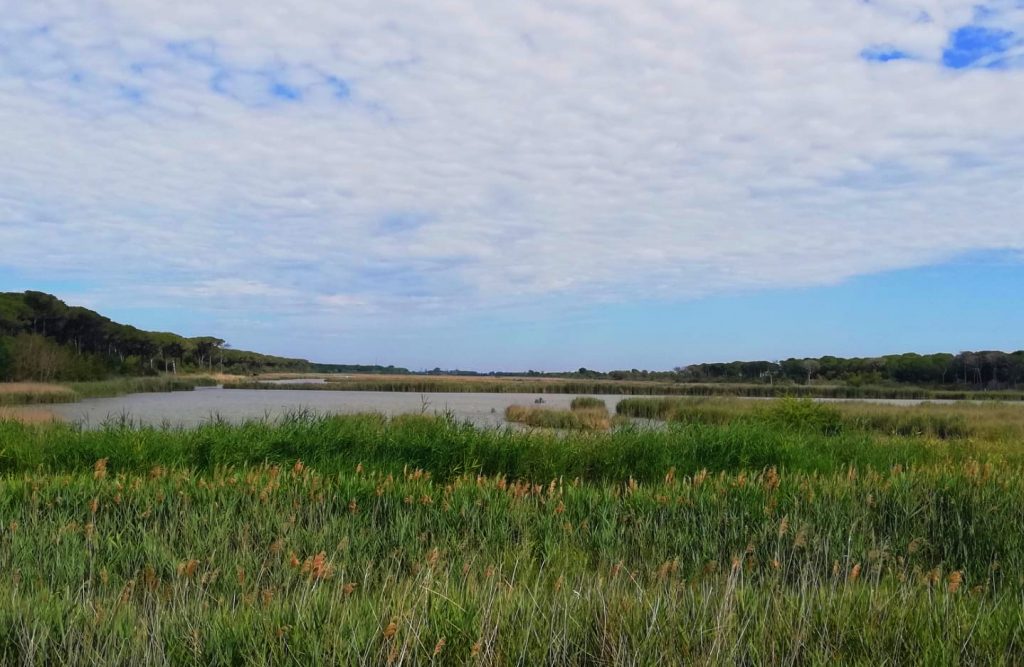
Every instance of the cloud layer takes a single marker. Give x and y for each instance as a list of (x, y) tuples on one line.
[(393, 160)]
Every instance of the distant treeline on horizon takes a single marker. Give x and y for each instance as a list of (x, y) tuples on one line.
[(986, 369), (44, 339)]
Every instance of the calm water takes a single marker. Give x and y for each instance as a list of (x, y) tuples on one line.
[(189, 408)]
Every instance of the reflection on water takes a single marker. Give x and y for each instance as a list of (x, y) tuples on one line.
[(190, 408)]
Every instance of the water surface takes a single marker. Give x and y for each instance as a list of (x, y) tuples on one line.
[(191, 408)]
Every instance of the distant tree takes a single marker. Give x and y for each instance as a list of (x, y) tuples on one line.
[(5, 360), (205, 349), (34, 357)]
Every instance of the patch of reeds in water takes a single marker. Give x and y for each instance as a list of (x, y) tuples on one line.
[(35, 393), (28, 415), (31, 393), (140, 385), (585, 413), (944, 421)]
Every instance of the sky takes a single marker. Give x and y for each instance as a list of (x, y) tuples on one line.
[(538, 184)]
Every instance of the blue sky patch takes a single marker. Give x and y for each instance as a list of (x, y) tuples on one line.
[(975, 45), (883, 54), (283, 91)]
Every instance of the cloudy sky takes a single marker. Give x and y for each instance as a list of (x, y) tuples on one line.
[(541, 184)]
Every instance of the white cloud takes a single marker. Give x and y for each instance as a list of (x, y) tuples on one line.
[(235, 151)]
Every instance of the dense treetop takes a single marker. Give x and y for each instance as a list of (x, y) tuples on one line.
[(43, 338)]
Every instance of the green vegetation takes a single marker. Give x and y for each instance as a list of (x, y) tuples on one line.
[(445, 448), (587, 403), (585, 413), (988, 369), (416, 540), (44, 339), (991, 421), (967, 370), (506, 385), (140, 385), (37, 394)]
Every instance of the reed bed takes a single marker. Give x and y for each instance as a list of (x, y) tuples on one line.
[(436, 384), (990, 421), (905, 566), (27, 393), (446, 447), (34, 393), (140, 385), (587, 403), (360, 539), (28, 415), (585, 419)]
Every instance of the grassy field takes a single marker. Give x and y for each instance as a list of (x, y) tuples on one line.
[(757, 538), (525, 385), (34, 393)]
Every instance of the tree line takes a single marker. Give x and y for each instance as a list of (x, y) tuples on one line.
[(42, 338), (984, 369)]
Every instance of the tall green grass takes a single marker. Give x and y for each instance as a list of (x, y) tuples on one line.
[(448, 448), (944, 422), (266, 564), (739, 532)]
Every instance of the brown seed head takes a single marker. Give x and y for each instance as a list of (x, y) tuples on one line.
[(954, 580)]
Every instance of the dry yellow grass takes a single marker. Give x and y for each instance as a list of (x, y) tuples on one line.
[(29, 415), (224, 378), (32, 388), (31, 393)]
